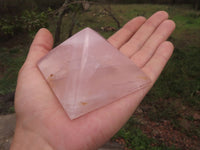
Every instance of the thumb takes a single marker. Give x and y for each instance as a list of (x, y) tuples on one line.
[(41, 45)]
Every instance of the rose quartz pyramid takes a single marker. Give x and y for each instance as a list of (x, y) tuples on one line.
[(86, 72)]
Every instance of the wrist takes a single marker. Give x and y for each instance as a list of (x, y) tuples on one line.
[(25, 139)]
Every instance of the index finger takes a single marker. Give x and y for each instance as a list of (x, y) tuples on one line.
[(126, 32)]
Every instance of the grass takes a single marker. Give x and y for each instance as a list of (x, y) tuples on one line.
[(135, 139), (180, 78), (11, 61), (176, 91)]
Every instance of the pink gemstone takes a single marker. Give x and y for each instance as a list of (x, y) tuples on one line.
[(86, 72)]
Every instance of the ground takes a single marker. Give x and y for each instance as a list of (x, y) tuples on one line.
[(7, 126)]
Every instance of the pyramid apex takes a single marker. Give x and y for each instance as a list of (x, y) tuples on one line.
[(88, 28), (86, 72)]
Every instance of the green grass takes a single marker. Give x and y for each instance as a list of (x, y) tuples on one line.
[(10, 63), (180, 78), (135, 139)]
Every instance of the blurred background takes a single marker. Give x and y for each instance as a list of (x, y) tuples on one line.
[(169, 116)]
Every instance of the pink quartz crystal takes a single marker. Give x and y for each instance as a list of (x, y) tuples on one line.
[(86, 72)]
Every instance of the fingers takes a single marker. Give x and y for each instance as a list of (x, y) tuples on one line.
[(123, 35), (145, 31), (160, 35), (156, 64), (40, 46)]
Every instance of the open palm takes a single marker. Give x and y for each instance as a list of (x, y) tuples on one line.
[(41, 118)]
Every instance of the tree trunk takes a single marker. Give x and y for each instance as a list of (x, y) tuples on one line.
[(196, 4), (58, 28), (61, 13), (112, 16), (73, 23), (173, 2)]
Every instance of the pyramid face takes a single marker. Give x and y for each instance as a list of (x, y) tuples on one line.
[(86, 72)]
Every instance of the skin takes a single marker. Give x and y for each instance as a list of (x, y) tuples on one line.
[(41, 121)]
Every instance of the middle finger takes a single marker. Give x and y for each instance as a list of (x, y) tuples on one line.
[(139, 38)]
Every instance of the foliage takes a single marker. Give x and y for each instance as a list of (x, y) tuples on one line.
[(7, 27), (32, 21), (29, 21)]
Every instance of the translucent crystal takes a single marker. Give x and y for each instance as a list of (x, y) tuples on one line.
[(86, 72)]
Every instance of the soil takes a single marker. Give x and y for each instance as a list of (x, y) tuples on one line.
[(165, 132), (7, 126), (6, 103)]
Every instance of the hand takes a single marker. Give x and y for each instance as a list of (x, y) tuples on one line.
[(41, 121)]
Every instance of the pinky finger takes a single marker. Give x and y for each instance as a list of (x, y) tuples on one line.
[(155, 65)]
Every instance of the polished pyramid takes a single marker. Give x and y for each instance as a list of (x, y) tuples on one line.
[(86, 72)]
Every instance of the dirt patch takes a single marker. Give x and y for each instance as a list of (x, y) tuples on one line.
[(187, 38), (7, 126), (7, 103), (165, 132)]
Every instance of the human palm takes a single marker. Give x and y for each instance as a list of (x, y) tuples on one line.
[(40, 115)]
